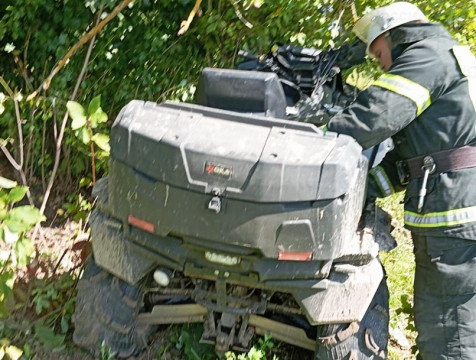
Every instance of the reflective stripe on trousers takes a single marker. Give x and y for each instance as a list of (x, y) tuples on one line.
[(440, 219)]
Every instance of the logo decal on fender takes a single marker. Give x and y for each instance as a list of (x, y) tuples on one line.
[(218, 170)]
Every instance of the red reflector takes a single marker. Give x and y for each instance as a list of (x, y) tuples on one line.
[(141, 224), (296, 256)]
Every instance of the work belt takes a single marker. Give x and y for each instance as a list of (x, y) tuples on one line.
[(446, 160), (438, 162)]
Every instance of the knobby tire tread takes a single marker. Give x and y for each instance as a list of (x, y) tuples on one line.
[(107, 308), (105, 314)]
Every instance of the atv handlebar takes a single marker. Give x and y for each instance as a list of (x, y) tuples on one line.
[(311, 78)]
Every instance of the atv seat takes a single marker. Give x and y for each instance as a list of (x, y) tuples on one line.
[(259, 93)]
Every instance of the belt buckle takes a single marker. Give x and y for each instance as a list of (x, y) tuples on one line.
[(403, 172)]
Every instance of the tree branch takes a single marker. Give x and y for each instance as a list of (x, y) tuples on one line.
[(240, 16), (59, 140), (20, 132), (84, 39), (186, 24), (18, 165)]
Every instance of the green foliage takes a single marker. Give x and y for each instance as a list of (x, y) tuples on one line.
[(106, 353), (51, 299), (9, 351), (188, 343), (76, 207), (14, 224), (47, 325), (400, 268), (48, 338), (51, 296), (261, 351), (186, 340), (83, 123), (90, 135)]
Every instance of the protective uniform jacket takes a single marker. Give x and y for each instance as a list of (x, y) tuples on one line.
[(426, 103)]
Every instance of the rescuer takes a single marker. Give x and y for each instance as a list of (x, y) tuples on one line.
[(426, 102)]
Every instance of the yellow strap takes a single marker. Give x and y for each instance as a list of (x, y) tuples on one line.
[(405, 87)]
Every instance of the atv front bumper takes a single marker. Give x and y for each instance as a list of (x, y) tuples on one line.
[(327, 292)]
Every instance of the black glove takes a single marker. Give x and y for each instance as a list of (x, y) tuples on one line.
[(367, 219), (311, 110), (352, 54), (374, 220), (378, 223)]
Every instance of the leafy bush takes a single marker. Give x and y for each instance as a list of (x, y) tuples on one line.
[(138, 55), (16, 249), (263, 347)]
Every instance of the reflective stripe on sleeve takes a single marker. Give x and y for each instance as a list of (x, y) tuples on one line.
[(439, 219), (382, 180), (467, 64), (405, 87)]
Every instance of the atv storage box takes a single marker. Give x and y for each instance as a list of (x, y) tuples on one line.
[(249, 200), (239, 180)]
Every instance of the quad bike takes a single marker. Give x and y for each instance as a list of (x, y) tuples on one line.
[(232, 213)]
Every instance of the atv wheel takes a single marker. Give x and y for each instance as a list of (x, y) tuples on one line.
[(106, 314), (366, 340)]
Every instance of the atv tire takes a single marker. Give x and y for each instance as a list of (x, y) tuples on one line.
[(366, 340), (106, 314)]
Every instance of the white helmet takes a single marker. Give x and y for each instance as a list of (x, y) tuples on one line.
[(380, 20)]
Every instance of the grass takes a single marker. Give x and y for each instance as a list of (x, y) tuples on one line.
[(400, 267)]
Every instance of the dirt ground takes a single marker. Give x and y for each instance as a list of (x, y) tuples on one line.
[(62, 247)]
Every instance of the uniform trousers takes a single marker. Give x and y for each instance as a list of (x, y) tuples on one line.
[(445, 297)]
